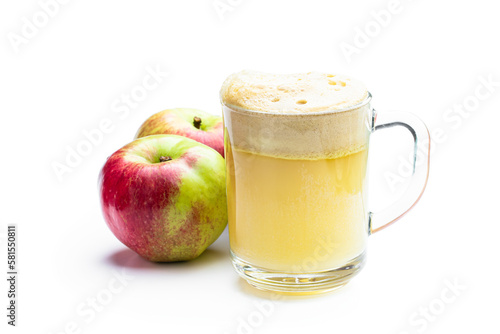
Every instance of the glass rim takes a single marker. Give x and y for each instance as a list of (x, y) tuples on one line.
[(358, 105)]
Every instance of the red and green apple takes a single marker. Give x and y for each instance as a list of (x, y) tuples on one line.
[(164, 197), (192, 123)]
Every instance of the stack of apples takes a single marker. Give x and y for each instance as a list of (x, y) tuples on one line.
[(164, 194)]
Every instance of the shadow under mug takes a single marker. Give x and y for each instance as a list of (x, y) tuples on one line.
[(297, 197)]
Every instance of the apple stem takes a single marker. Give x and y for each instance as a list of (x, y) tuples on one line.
[(197, 122), (164, 159)]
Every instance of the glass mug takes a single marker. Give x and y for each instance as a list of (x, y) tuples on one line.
[(297, 197)]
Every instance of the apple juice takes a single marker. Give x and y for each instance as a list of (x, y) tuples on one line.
[(296, 215)]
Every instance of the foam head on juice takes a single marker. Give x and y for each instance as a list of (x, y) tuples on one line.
[(296, 152)]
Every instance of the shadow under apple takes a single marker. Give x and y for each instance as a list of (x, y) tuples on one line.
[(126, 258)]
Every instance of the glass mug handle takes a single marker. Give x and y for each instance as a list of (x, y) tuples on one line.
[(421, 161)]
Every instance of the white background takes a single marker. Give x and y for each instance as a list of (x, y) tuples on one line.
[(64, 80)]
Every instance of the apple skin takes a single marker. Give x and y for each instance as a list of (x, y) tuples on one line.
[(180, 121), (165, 211)]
